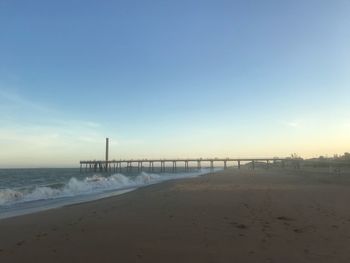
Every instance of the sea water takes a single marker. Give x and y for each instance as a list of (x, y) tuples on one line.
[(24, 191)]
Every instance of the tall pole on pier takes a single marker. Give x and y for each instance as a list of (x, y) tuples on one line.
[(107, 146)]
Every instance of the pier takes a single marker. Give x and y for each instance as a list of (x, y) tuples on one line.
[(163, 165)]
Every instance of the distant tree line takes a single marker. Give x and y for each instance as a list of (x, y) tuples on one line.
[(336, 160), (344, 157)]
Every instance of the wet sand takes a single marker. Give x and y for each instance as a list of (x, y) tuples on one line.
[(232, 216)]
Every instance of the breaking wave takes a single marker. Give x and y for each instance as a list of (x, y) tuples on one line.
[(95, 184)]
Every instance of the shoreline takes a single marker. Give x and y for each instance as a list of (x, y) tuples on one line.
[(242, 216), (56, 201)]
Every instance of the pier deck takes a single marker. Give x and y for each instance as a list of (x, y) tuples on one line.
[(151, 164)]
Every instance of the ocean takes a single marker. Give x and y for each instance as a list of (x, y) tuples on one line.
[(24, 191)]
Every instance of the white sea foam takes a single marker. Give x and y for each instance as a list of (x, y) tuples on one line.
[(93, 185), (9, 196)]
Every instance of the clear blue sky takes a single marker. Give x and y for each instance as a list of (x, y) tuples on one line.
[(172, 79)]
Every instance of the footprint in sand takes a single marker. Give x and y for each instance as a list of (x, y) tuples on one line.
[(40, 235), (284, 218), (20, 243), (309, 228), (301, 230), (240, 226), (298, 230), (266, 226)]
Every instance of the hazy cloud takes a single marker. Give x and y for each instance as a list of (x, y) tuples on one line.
[(16, 100), (293, 124)]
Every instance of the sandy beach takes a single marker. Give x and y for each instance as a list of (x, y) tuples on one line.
[(231, 216)]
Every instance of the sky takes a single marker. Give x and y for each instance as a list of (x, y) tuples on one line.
[(172, 79)]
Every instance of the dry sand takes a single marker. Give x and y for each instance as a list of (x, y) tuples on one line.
[(232, 216)]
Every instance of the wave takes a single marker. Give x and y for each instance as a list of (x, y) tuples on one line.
[(95, 184)]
